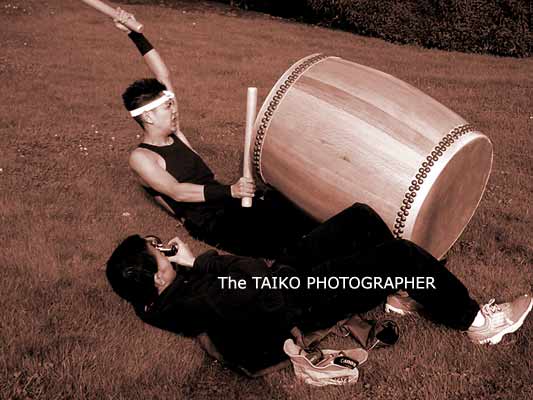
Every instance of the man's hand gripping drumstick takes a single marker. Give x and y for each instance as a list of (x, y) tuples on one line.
[(130, 23), (152, 59)]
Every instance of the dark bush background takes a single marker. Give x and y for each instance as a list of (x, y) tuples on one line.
[(500, 27)]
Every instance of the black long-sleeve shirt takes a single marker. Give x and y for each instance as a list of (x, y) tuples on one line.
[(248, 326)]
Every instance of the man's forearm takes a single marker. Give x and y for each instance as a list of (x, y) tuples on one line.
[(158, 68), (189, 192), (152, 59)]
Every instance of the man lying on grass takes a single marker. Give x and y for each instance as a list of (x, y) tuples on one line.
[(248, 308), (176, 176)]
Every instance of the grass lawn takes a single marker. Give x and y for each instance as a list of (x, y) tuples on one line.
[(67, 198)]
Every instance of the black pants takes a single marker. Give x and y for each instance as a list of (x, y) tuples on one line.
[(271, 224), (357, 243)]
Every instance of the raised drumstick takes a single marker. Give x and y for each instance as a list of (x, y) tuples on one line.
[(111, 12), (251, 105)]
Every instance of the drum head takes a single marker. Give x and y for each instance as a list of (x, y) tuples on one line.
[(452, 195)]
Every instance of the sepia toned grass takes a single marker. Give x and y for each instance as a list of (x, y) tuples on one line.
[(67, 198)]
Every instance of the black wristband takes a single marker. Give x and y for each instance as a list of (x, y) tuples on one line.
[(141, 42), (215, 192)]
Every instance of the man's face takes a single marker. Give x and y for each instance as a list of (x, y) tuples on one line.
[(165, 116), (165, 274)]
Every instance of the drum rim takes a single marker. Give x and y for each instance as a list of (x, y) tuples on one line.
[(423, 171), (272, 101), (434, 165)]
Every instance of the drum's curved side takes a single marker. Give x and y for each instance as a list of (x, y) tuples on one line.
[(274, 98), (407, 113)]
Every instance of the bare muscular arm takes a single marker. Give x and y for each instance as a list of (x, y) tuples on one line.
[(155, 176), (147, 167), (160, 180)]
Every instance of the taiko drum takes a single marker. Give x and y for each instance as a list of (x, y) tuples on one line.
[(332, 132)]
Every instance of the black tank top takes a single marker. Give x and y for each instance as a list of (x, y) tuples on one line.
[(187, 167)]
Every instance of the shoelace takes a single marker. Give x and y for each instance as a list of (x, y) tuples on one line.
[(491, 307)]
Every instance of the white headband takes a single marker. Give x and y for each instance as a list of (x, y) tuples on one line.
[(167, 95)]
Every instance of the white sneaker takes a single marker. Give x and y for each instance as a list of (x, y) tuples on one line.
[(500, 319)]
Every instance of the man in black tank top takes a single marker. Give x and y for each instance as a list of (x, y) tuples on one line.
[(176, 176)]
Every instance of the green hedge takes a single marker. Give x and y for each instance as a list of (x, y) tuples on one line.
[(501, 27)]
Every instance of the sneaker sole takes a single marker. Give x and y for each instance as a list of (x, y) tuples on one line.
[(499, 336), (395, 310)]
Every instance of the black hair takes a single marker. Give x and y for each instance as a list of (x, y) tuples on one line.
[(130, 271), (141, 92)]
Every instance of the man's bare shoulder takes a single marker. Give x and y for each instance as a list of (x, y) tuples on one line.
[(141, 159)]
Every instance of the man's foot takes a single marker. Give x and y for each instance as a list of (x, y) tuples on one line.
[(500, 319), (401, 303)]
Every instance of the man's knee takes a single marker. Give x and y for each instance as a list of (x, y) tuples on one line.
[(362, 209), (367, 218)]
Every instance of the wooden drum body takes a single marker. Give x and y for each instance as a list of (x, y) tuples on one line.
[(332, 132)]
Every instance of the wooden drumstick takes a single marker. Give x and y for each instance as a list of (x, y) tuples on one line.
[(251, 105), (111, 12)]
